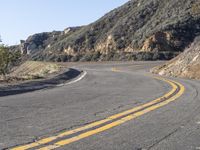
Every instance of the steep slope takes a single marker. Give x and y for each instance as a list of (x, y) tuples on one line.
[(186, 65), (138, 30)]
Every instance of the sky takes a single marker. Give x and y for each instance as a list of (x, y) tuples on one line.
[(21, 18)]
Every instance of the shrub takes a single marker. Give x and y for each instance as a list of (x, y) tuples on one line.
[(7, 60)]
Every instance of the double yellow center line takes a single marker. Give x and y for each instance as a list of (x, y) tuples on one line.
[(71, 136)]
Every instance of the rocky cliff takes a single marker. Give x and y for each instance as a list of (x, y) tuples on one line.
[(186, 65), (138, 30)]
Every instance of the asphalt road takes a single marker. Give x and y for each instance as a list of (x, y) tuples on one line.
[(44, 116)]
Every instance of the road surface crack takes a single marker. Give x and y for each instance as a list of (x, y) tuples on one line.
[(164, 138)]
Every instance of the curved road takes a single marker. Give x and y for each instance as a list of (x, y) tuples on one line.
[(92, 113)]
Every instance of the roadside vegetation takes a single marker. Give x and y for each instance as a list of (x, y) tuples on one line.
[(8, 60), (14, 69)]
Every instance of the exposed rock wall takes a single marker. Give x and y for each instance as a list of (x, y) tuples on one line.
[(160, 41)]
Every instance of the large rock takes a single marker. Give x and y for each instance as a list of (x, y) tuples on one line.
[(38, 42)]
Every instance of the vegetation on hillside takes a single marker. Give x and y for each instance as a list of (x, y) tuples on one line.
[(138, 30)]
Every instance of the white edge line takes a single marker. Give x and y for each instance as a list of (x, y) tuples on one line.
[(74, 81)]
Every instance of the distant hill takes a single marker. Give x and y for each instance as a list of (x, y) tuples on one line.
[(138, 30), (186, 65)]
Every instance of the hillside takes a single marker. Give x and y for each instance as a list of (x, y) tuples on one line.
[(186, 65), (138, 30)]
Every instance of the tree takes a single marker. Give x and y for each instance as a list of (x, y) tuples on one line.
[(7, 60)]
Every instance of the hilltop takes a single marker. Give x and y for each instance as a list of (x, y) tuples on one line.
[(138, 30)]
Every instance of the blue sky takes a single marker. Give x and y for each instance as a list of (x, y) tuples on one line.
[(21, 18)]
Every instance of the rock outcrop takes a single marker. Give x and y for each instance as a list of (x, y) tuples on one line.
[(160, 41), (37, 42)]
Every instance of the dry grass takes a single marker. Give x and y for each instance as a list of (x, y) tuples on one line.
[(35, 69), (31, 70)]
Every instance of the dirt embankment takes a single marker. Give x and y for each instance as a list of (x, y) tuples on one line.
[(186, 65), (31, 70)]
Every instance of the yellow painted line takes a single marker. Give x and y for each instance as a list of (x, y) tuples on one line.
[(116, 123), (50, 139)]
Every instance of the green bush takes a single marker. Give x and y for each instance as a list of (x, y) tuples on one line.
[(7, 60)]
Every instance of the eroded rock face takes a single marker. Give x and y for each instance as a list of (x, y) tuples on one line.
[(24, 47), (70, 51), (161, 41), (38, 42), (33, 43), (185, 65), (106, 46)]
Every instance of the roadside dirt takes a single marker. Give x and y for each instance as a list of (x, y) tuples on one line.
[(32, 70)]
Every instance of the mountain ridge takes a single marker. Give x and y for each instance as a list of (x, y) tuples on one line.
[(137, 30)]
